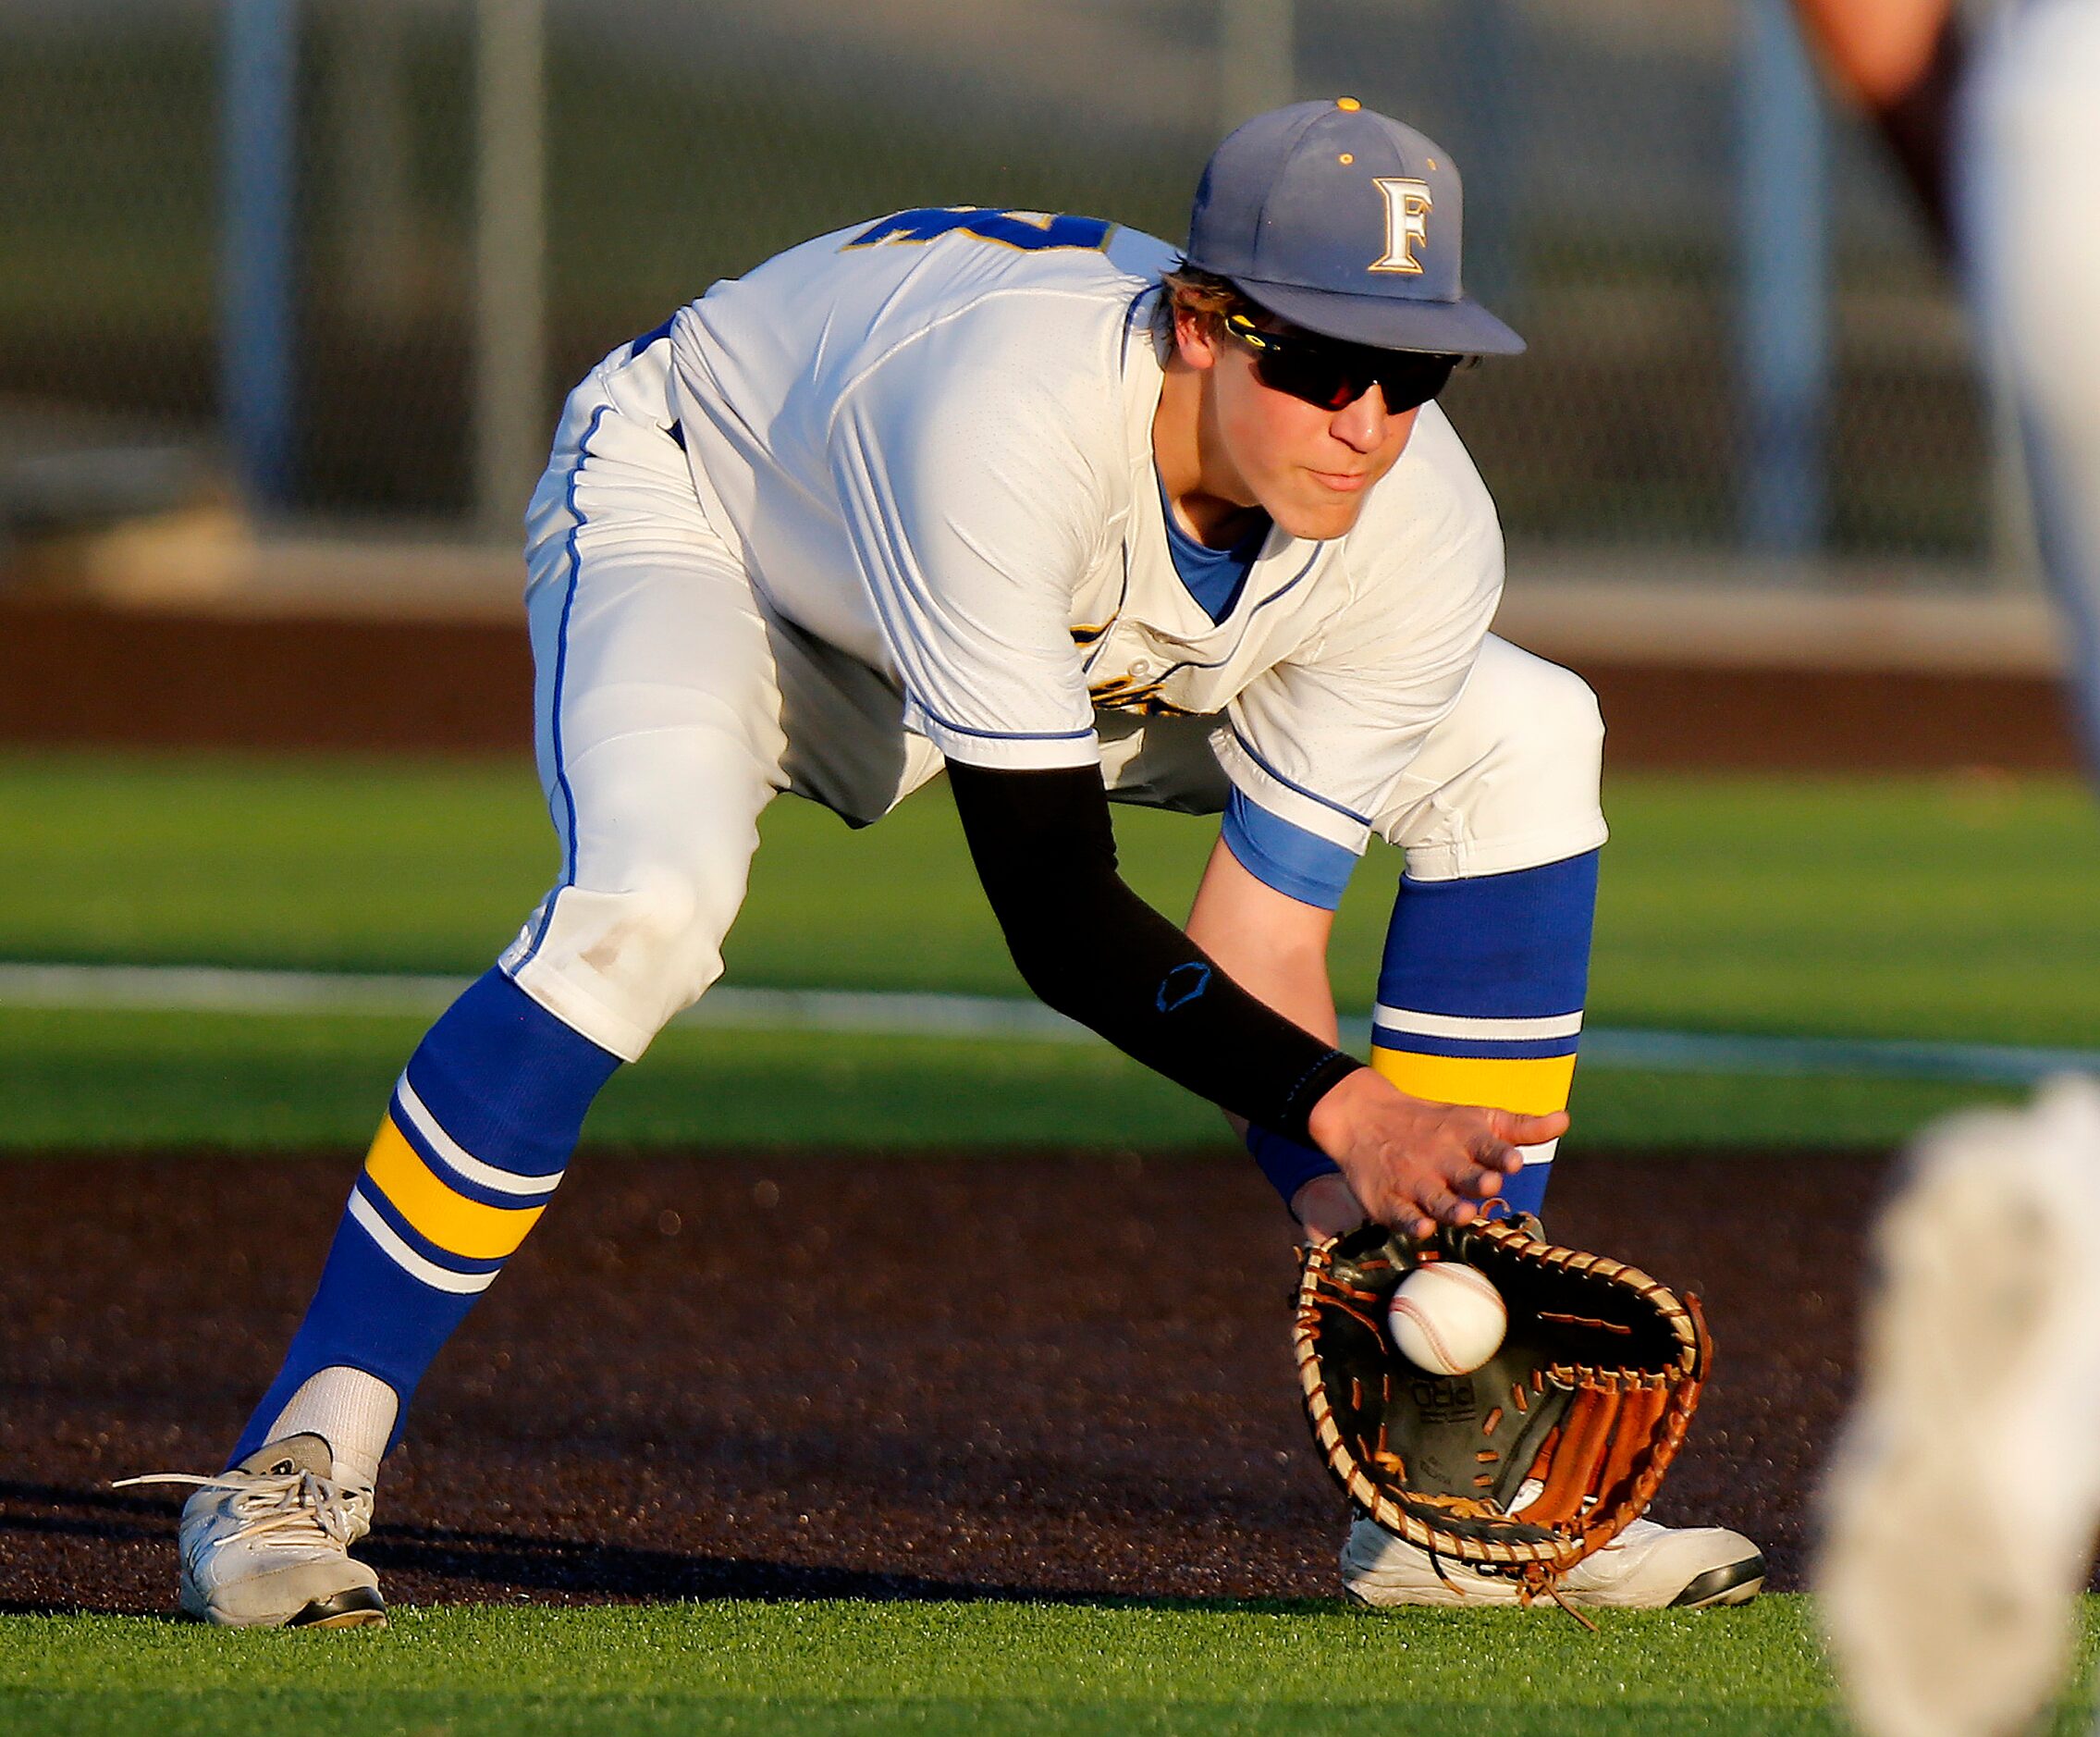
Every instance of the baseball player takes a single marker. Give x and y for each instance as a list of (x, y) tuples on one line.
[(1987, 1288), (1025, 498), (1998, 142)]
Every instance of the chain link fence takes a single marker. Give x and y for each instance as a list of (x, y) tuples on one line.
[(686, 139)]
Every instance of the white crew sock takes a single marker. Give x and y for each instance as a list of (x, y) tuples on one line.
[(352, 1412)]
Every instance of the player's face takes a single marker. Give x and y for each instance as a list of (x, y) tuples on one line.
[(1311, 466)]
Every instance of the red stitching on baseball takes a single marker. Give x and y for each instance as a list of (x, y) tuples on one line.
[(1402, 1306), (1406, 1306)]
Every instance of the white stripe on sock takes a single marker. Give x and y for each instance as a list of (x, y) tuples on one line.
[(470, 1167), (1429, 1025), (408, 1260)]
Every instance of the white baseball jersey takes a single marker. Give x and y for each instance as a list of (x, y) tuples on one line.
[(931, 438)]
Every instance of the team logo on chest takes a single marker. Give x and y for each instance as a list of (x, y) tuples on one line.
[(1408, 204)]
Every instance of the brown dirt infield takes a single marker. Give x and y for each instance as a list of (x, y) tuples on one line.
[(1049, 1375)]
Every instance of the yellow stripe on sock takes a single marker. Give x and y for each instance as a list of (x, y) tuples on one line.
[(1535, 1085), (455, 1223)]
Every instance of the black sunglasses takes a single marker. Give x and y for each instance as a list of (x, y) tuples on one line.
[(1333, 375)]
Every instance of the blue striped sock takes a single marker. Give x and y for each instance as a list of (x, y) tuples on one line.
[(481, 1125), (1479, 998)]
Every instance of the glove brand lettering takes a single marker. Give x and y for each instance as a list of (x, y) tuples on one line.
[(1445, 1401)]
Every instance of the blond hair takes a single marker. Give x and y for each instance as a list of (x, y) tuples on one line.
[(1203, 293)]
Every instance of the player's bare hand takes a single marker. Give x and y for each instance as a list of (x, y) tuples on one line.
[(1416, 1164), (1324, 1207)]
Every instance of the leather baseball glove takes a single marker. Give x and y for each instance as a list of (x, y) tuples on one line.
[(1590, 1394)]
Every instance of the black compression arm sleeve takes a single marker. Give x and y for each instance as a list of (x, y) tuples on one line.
[(1096, 952)]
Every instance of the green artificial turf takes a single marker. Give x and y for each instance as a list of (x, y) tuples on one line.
[(1872, 907), (385, 866), (1964, 907), (1951, 907), (73, 1079), (833, 1666)]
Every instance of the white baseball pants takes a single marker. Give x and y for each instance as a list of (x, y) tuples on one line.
[(2031, 147)]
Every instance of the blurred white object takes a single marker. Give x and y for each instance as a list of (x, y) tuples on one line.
[(2031, 229), (1959, 1513)]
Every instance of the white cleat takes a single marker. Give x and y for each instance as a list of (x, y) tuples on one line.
[(1379, 1568), (1957, 1514), (267, 1543), (1647, 1567)]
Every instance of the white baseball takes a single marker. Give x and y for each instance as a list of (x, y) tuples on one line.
[(1447, 1318)]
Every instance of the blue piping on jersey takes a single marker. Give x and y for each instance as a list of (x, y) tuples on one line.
[(1192, 663), (1003, 735), (1311, 795), (1130, 319), (1297, 579), (1285, 856), (560, 679), (894, 638)]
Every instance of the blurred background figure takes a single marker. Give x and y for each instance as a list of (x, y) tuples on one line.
[(1999, 141), (1961, 1510)]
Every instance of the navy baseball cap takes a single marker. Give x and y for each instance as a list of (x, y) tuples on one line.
[(1344, 222)]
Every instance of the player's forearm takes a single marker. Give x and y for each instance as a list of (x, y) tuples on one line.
[(1275, 947), (1271, 945), (1109, 961), (1901, 60), (1878, 48), (1091, 948)]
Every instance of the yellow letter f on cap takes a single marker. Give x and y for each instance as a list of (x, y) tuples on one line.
[(1406, 222)]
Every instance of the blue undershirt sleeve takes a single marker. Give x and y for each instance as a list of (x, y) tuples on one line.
[(1298, 864), (1289, 1164)]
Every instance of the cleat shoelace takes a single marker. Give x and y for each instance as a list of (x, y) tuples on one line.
[(296, 1509)]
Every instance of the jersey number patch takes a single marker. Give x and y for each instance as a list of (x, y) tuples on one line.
[(1030, 230)]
